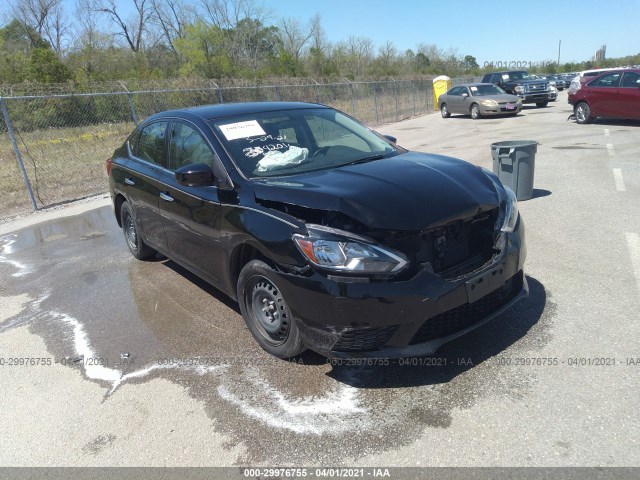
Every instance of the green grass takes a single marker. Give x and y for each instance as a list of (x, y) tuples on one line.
[(62, 164)]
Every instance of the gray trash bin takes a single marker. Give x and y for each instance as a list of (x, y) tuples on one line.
[(514, 163)]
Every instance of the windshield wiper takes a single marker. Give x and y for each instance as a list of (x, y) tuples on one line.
[(365, 159)]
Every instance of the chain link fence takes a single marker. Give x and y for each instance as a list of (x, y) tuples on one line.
[(63, 141)]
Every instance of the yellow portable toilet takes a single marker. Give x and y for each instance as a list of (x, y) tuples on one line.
[(440, 85)]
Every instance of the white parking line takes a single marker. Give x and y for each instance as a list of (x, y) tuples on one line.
[(617, 177), (633, 243), (607, 133), (610, 149)]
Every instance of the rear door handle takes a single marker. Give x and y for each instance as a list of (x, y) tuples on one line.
[(129, 181), (166, 197)]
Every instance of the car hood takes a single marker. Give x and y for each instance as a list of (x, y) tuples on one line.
[(412, 191)]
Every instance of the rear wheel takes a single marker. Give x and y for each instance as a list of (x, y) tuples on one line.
[(475, 111), (444, 111), (542, 104), (136, 245), (266, 312), (583, 113)]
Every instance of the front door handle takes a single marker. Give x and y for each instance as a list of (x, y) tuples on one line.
[(166, 197), (129, 181)]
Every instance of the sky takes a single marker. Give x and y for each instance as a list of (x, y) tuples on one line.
[(526, 31), (491, 31)]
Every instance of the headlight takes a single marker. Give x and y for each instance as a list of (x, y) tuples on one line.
[(341, 251), (489, 103), (510, 211), (519, 89)]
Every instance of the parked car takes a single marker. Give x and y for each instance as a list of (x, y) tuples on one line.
[(585, 76), (615, 94), (329, 235), (522, 84), (478, 100)]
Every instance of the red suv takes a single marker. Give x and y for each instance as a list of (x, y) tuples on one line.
[(615, 94)]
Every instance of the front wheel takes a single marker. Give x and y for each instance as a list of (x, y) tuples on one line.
[(266, 312), (542, 104), (444, 111), (475, 111), (583, 113), (136, 245)]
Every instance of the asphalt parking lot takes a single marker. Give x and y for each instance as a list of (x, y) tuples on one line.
[(142, 364)]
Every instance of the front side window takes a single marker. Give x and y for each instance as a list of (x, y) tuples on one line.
[(187, 147), (270, 144), (611, 80), (630, 80), (151, 142)]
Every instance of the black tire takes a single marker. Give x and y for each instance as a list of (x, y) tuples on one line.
[(582, 112), (542, 104), (444, 111), (266, 312), (134, 241), (475, 111)]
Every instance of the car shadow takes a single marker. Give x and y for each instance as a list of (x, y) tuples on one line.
[(535, 107), (539, 192), (616, 122), (202, 284), (456, 357)]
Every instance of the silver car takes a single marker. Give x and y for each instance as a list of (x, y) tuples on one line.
[(478, 100)]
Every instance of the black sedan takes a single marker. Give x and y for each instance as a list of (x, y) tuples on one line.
[(330, 236)]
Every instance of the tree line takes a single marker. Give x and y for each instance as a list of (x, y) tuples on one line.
[(45, 41)]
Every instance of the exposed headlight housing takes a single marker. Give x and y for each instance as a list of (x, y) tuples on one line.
[(340, 251), (508, 217)]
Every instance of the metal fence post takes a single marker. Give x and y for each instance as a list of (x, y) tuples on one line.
[(132, 107), (277, 94), (415, 94), (27, 183), (353, 98), (375, 102), (395, 89), (220, 97), (134, 115)]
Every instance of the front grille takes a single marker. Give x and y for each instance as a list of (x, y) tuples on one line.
[(537, 87), (465, 315), (364, 339), (450, 250)]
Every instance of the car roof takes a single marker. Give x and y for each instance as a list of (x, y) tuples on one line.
[(221, 110)]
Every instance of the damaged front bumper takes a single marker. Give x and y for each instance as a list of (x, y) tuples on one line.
[(341, 317)]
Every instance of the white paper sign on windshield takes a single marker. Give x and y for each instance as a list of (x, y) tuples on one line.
[(233, 131)]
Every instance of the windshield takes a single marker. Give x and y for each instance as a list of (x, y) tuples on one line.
[(482, 90), (519, 76), (270, 144)]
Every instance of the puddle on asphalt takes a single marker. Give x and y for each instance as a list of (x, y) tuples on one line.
[(118, 320)]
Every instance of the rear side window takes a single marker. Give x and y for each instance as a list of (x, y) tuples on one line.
[(611, 80), (151, 142)]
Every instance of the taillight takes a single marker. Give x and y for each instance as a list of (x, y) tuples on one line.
[(108, 166)]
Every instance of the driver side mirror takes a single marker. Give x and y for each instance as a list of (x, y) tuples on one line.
[(465, 95), (195, 175)]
